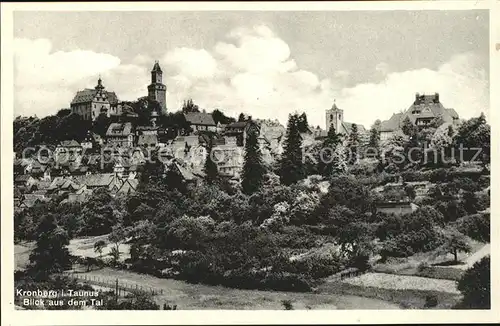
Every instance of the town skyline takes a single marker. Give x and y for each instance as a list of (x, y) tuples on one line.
[(259, 68)]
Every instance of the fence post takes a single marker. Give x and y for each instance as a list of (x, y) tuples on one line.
[(116, 290)]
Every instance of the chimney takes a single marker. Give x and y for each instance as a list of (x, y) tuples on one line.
[(436, 97)]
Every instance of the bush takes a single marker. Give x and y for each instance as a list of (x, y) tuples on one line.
[(422, 266), (287, 304), (431, 301)]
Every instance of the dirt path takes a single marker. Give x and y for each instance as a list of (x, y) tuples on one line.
[(475, 257), (403, 282), (198, 296)]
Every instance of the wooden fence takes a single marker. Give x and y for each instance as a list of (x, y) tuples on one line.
[(118, 288), (348, 273)]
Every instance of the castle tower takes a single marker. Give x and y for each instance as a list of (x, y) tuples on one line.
[(157, 90), (334, 118)]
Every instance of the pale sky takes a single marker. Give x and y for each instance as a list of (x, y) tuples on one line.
[(266, 64)]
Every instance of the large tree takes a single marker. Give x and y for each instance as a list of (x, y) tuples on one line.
[(374, 142), (474, 135), (291, 164), (408, 127), (454, 242), (189, 106), (475, 286), (101, 124), (210, 168), (253, 169), (50, 254), (219, 116), (353, 144), (302, 122), (328, 153), (242, 117)]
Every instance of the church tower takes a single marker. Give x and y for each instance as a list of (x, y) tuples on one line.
[(334, 118), (157, 90)]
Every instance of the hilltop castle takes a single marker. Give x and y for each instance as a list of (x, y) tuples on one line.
[(91, 102)]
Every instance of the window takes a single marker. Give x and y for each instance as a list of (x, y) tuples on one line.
[(331, 116)]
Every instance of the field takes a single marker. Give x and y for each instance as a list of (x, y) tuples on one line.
[(369, 291), (440, 267), (403, 282), (198, 296)]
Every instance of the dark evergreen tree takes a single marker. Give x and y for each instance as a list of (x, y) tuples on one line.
[(242, 117), (291, 164), (50, 254), (302, 123), (210, 168), (374, 142), (189, 106), (219, 116), (253, 169), (353, 144), (408, 128), (326, 159)]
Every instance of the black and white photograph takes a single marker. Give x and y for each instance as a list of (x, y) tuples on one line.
[(250, 159)]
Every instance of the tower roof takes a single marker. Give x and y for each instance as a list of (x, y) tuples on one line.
[(156, 67), (334, 106)]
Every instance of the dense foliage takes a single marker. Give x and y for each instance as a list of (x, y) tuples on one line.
[(475, 286), (280, 229)]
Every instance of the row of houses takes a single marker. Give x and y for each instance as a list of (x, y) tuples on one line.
[(28, 190)]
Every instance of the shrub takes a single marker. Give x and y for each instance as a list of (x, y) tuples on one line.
[(422, 266), (287, 304), (431, 301)]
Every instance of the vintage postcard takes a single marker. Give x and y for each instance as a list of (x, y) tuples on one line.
[(253, 162)]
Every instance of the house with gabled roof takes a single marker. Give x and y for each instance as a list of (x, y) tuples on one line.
[(423, 110), (24, 180), (120, 135), (128, 187), (200, 121), (240, 130)]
